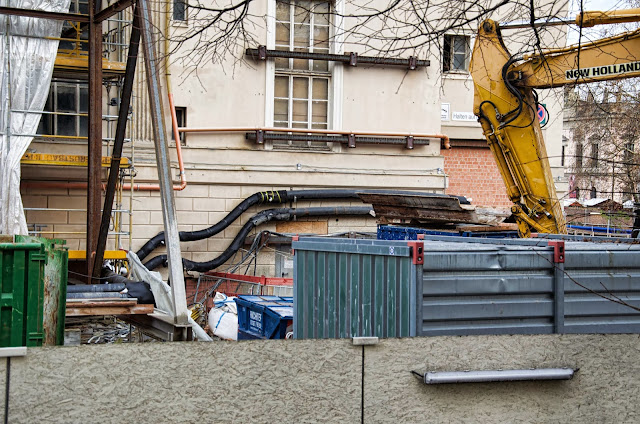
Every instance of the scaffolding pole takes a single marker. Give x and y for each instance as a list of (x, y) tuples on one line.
[(172, 237)]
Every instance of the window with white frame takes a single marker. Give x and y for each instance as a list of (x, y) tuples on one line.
[(456, 53), (65, 113), (302, 86)]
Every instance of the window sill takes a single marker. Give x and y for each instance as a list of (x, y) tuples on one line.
[(180, 24), (457, 75)]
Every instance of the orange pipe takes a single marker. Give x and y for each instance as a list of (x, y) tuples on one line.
[(141, 187)]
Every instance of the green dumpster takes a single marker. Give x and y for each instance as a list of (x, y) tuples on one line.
[(55, 286), (21, 294)]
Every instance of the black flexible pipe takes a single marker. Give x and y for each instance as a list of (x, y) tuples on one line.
[(140, 290), (264, 197), (283, 214)]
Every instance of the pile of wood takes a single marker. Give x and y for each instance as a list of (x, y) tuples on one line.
[(106, 306)]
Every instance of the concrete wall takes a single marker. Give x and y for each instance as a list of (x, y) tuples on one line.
[(324, 381)]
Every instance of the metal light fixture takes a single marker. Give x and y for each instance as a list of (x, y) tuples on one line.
[(448, 377)]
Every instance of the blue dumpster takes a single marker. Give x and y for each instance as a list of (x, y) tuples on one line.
[(264, 317)]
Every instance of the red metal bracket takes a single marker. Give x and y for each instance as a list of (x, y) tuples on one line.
[(294, 238), (417, 252), (558, 251)]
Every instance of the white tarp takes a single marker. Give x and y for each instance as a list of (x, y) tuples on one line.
[(161, 293), (26, 64)]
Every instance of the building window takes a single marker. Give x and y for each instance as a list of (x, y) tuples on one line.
[(629, 152), (301, 86), (181, 118), (456, 53), (594, 193), (179, 10), (562, 155), (579, 156), (593, 159), (75, 36), (65, 113)]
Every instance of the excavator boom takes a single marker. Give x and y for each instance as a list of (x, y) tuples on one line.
[(509, 120), (506, 105)]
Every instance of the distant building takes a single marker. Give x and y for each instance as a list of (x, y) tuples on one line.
[(600, 145)]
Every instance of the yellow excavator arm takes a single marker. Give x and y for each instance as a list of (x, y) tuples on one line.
[(506, 105)]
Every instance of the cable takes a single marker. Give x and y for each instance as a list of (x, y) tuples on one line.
[(267, 197), (284, 214)]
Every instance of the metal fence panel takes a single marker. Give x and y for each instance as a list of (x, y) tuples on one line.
[(354, 288), (476, 286)]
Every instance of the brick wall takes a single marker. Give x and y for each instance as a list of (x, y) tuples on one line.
[(472, 172)]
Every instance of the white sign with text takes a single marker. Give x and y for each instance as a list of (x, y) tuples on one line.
[(464, 116)]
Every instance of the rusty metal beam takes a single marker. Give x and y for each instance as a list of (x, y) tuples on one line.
[(95, 136), (44, 15), (352, 59), (109, 11), (121, 127)]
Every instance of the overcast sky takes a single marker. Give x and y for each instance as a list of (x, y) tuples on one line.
[(601, 5)]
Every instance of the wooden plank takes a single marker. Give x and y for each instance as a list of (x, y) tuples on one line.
[(65, 160), (92, 303), (110, 310), (487, 229), (108, 254), (303, 227)]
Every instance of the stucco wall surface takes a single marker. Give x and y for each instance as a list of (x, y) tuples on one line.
[(320, 381), (606, 388), (267, 381)]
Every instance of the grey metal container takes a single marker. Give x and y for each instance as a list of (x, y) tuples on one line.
[(355, 288), (475, 286), (348, 288)]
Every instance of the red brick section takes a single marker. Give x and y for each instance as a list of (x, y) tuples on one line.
[(472, 172)]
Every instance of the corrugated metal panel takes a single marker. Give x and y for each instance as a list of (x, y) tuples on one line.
[(592, 278), (354, 288), (508, 287)]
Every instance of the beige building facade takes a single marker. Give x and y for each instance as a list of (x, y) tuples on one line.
[(241, 93)]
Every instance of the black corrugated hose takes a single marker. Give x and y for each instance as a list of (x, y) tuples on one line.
[(265, 197), (283, 214)]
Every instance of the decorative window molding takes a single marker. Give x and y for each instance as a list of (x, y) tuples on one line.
[(303, 93)]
